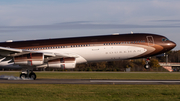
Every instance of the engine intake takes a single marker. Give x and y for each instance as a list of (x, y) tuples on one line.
[(29, 59), (64, 63)]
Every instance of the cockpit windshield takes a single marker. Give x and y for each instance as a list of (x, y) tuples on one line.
[(165, 39)]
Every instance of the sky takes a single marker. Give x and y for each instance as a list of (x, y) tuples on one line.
[(42, 19)]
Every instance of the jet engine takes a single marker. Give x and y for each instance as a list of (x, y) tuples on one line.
[(31, 59), (64, 63)]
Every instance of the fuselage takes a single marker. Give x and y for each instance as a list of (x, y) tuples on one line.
[(100, 48)]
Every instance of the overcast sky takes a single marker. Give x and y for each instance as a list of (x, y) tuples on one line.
[(40, 19)]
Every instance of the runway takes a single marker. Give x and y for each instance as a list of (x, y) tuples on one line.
[(91, 81)]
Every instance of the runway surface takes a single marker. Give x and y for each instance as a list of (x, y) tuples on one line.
[(89, 81)]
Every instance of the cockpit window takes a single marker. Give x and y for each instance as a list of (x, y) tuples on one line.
[(165, 39)]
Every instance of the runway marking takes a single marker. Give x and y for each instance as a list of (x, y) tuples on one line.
[(89, 81), (121, 81)]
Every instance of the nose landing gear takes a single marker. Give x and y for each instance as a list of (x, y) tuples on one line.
[(147, 66)]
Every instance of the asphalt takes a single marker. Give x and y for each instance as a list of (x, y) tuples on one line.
[(90, 81)]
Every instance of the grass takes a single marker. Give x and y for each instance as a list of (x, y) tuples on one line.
[(103, 75), (83, 92), (62, 92)]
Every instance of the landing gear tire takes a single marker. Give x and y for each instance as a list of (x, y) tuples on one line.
[(146, 66), (32, 76), (28, 75), (23, 76)]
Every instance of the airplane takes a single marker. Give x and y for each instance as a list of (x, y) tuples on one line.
[(65, 53)]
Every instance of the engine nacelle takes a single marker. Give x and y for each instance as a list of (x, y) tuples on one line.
[(31, 59), (64, 63)]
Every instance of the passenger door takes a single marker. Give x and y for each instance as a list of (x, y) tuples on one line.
[(150, 40)]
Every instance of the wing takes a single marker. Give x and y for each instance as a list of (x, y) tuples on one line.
[(12, 52), (5, 51)]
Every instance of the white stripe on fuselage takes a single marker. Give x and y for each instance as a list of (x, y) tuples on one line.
[(102, 53)]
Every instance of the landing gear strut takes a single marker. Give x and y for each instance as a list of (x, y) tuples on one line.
[(147, 66), (28, 75)]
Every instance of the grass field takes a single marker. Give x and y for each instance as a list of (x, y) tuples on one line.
[(62, 92), (82, 92)]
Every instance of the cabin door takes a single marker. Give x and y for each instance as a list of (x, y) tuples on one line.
[(150, 40)]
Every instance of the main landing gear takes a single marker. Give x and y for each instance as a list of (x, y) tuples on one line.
[(28, 75), (147, 66)]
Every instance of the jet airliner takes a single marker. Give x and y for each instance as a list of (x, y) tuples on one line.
[(67, 52)]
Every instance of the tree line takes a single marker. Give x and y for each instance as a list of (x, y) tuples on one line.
[(122, 65), (134, 64)]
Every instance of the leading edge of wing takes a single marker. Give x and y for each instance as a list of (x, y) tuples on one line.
[(10, 49)]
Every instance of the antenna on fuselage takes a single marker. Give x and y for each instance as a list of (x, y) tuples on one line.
[(115, 34), (9, 41), (131, 32)]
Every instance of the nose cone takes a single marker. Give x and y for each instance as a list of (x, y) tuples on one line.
[(170, 45), (173, 44)]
